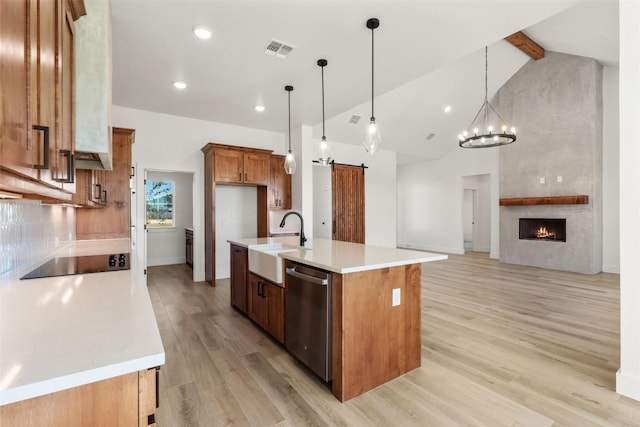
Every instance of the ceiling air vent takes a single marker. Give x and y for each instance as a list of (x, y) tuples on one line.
[(355, 119), (430, 136), (278, 49)]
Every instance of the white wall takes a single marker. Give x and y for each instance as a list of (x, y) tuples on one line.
[(166, 246), (430, 198), (236, 218), (628, 377), (610, 171), (173, 143)]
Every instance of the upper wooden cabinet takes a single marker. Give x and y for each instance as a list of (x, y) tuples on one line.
[(237, 165), (279, 184), (37, 107), (111, 190)]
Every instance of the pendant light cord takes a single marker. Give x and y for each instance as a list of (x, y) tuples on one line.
[(486, 73), (289, 93), (322, 73), (372, 42)]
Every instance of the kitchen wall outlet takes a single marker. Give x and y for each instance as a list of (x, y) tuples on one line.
[(542, 180), (395, 297), (559, 178)]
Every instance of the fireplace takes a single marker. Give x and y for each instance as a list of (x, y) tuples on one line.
[(548, 229)]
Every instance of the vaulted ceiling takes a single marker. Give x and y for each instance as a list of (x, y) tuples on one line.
[(429, 54)]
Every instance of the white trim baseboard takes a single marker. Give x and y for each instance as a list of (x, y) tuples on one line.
[(627, 385), (166, 261), (611, 269)]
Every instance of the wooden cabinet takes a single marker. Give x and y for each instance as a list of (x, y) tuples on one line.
[(279, 184), (90, 188), (266, 305), (111, 190), (37, 78), (241, 166), (231, 165), (238, 280), (126, 400)]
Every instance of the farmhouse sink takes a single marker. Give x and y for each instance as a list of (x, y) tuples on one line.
[(264, 261)]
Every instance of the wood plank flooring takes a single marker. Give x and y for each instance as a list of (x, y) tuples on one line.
[(501, 345)]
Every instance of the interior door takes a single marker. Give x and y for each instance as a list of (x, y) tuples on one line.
[(347, 188), (468, 215)]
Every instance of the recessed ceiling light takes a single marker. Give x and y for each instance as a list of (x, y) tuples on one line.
[(202, 32), (447, 109), (179, 85), (259, 108)]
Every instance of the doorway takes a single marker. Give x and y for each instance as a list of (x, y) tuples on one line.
[(476, 213)]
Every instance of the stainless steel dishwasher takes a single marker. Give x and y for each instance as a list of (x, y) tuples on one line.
[(308, 317)]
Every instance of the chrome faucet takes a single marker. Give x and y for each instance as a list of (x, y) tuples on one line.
[(284, 218)]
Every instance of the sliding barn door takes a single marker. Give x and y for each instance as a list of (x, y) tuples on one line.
[(347, 187)]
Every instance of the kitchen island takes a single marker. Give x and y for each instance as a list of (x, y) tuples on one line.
[(87, 338), (375, 305)]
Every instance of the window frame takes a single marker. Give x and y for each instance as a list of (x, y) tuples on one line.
[(157, 226)]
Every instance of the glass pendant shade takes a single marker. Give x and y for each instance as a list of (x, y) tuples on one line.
[(372, 138), (290, 163), (324, 157)]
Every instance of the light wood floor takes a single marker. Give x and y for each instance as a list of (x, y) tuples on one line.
[(501, 345)]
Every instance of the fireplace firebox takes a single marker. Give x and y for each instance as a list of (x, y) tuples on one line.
[(548, 229)]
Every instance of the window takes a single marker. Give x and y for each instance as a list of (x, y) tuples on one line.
[(160, 203)]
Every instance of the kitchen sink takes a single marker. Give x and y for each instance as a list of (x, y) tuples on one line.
[(264, 261)]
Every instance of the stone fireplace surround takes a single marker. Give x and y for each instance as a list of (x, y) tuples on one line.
[(556, 105)]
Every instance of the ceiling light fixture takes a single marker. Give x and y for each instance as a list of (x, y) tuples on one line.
[(259, 108), (447, 109), (290, 160), (202, 32), (372, 137), (325, 153), (179, 85), (480, 133)]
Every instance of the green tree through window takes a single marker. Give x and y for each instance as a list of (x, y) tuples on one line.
[(160, 204)]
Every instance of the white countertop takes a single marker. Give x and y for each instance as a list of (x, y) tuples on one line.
[(342, 257), (63, 332)]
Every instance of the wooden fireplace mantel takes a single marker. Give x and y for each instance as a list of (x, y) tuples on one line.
[(580, 199)]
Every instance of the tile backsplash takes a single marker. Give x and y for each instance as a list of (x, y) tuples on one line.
[(29, 231)]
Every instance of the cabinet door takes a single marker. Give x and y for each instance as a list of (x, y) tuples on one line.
[(256, 168), (273, 323), (228, 166), (18, 150), (239, 264), (66, 143), (279, 184), (255, 308)]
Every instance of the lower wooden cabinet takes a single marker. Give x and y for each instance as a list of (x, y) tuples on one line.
[(127, 400), (238, 280), (266, 305)]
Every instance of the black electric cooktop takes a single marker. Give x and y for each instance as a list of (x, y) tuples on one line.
[(66, 266)]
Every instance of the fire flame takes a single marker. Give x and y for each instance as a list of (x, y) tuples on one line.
[(542, 233)]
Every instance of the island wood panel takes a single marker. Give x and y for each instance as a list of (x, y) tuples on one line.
[(108, 403), (147, 397), (238, 280), (374, 342), (112, 221), (579, 199)]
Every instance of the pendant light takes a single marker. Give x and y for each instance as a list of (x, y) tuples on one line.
[(372, 137), (290, 160), (324, 157), (480, 133)]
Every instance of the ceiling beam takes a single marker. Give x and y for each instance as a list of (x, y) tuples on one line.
[(525, 44)]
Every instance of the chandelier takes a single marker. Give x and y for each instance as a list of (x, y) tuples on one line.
[(487, 129)]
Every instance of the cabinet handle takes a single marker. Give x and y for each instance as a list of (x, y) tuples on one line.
[(99, 188), (105, 196), (70, 179), (260, 289), (45, 131), (240, 176), (334, 226)]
